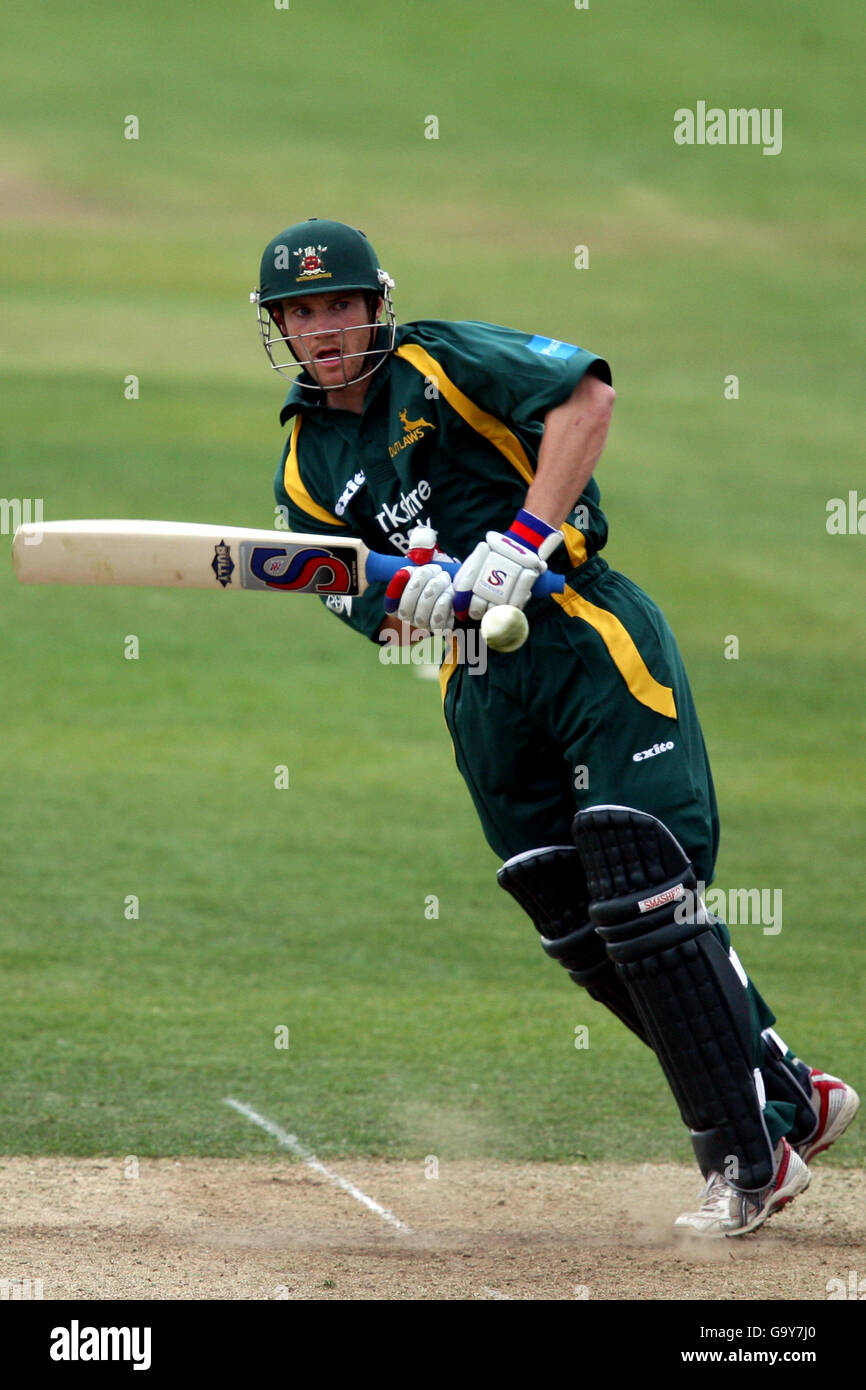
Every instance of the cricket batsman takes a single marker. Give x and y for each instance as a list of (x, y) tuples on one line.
[(582, 750)]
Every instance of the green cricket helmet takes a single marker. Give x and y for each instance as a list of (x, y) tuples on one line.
[(320, 257)]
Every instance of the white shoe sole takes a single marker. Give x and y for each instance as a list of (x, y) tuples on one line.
[(796, 1181)]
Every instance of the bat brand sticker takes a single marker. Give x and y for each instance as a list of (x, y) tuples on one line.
[(299, 569), (276, 566), (222, 563)]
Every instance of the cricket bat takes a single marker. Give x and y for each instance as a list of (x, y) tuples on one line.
[(188, 555)]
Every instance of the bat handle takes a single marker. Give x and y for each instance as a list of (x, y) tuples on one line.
[(381, 568)]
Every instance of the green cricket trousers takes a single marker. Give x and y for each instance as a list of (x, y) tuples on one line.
[(595, 708)]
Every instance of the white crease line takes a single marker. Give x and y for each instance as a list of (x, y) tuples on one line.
[(290, 1141)]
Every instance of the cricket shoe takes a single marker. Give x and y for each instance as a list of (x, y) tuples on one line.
[(725, 1211), (835, 1104)]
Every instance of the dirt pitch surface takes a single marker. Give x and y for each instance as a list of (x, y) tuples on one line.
[(197, 1228)]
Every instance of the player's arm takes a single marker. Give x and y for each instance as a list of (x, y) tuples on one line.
[(504, 567), (574, 436), (394, 629), (523, 381)]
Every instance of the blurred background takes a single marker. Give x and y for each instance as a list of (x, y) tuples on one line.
[(148, 786)]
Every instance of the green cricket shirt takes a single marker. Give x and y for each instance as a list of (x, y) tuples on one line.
[(448, 438)]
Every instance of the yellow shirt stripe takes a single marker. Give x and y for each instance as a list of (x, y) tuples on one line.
[(499, 435), (575, 544), (623, 652), (293, 483)]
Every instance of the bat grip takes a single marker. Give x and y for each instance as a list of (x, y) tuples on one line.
[(381, 568)]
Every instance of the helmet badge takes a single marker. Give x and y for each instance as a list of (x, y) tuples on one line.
[(310, 263)]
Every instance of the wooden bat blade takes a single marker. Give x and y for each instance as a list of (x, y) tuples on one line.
[(187, 555), (190, 555)]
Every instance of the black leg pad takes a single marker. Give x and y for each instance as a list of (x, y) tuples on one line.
[(683, 984), (550, 886)]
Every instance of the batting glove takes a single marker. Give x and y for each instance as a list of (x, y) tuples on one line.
[(422, 594), (504, 566)]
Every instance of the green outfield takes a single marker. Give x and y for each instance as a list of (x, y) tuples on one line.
[(309, 907)]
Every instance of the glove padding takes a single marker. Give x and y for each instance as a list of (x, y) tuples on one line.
[(422, 595), (428, 599), (499, 570)]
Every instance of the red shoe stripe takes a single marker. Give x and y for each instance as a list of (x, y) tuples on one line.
[(824, 1091)]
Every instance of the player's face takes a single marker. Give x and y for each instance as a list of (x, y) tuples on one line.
[(331, 325)]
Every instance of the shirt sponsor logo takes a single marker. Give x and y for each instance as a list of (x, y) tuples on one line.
[(652, 752), (409, 505), (551, 347), (413, 430), (659, 899), (349, 491)]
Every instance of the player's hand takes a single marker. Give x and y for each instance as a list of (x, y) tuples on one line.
[(422, 594), (504, 566)]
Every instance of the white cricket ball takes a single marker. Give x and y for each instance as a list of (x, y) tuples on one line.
[(504, 628)]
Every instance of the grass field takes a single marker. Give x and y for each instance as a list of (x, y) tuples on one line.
[(305, 907)]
